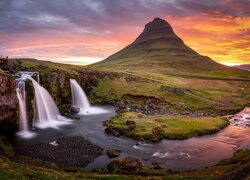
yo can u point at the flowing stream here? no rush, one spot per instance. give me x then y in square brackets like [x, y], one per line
[192, 153]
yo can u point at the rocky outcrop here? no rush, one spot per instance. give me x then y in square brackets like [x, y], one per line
[175, 90]
[128, 165]
[8, 103]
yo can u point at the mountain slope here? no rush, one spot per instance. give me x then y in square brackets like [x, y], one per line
[159, 49]
[243, 67]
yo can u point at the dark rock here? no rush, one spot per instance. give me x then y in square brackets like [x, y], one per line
[75, 109]
[112, 131]
[8, 104]
[175, 90]
[128, 165]
[70, 151]
[112, 153]
[156, 165]
[131, 124]
[157, 133]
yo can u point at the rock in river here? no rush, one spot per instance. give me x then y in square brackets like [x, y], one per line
[112, 153]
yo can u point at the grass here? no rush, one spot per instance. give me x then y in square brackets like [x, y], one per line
[155, 128]
[29, 168]
[5, 148]
[211, 94]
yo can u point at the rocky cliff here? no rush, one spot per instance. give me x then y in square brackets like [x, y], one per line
[8, 103]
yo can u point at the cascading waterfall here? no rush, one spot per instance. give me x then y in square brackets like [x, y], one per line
[80, 100]
[46, 113]
[21, 95]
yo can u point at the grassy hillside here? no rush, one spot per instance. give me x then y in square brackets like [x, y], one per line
[144, 90]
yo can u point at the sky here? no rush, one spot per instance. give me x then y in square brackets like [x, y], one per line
[87, 31]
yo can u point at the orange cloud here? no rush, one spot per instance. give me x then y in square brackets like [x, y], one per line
[224, 39]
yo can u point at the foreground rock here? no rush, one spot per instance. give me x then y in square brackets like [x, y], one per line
[112, 153]
[128, 165]
[66, 151]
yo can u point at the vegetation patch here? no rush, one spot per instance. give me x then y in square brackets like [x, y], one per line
[6, 148]
[155, 128]
[232, 168]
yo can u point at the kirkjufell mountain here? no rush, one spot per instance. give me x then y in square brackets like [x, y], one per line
[159, 49]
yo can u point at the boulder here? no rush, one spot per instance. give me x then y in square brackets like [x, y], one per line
[75, 109]
[128, 165]
[112, 153]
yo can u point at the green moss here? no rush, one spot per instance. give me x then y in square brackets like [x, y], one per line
[6, 148]
[170, 127]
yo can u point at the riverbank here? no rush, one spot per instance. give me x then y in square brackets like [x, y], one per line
[27, 168]
[156, 127]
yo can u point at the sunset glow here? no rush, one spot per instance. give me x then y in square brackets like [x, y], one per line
[83, 32]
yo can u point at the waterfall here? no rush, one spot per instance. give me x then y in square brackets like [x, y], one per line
[46, 113]
[21, 95]
[80, 100]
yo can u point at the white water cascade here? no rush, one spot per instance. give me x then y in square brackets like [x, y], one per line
[46, 113]
[80, 100]
[21, 95]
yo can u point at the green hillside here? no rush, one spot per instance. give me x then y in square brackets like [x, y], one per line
[159, 50]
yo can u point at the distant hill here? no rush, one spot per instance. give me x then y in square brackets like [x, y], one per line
[159, 49]
[243, 67]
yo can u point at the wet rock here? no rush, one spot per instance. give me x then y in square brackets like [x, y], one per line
[8, 104]
[75, 109]
[69, 152]
[128, 165]
[112, 131]
[112, 153]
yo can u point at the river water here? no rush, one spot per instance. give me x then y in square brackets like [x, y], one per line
[192, 153]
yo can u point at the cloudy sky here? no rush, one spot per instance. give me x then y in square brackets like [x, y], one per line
[85, 31]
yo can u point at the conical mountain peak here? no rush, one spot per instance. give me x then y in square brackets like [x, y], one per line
[159, 24]
[159, 49]
[158, 28]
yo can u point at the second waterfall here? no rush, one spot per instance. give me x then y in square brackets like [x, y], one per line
[81, 102]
